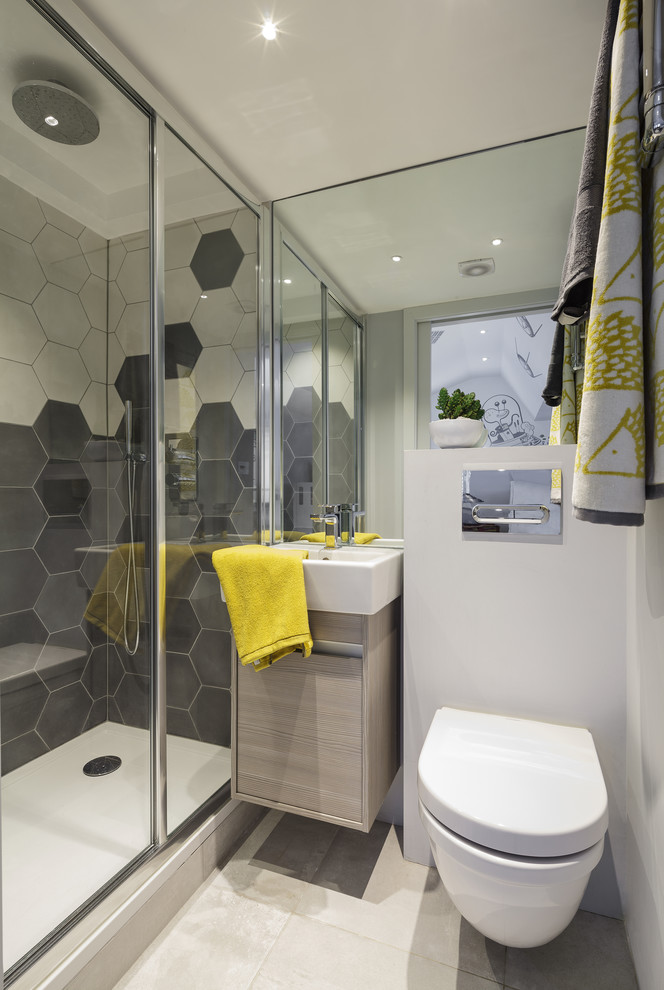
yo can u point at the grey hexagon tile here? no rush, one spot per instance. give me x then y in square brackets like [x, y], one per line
[183, 526]
[133, 380]
[338, 347]
[301, 439]
[61, 258]
[338, 384]
[65, 714]
[338, 456]
[182, 626]
[59, 542]
[218, 430]
[61, 220]
[245, 229]
[102, 514]
[218, 488]
[217, 316]
[61, 315]
[182, 683]
[93, 298]
[244, 400]
[116, 306]
[348, 364]
[62, 429]
[22, 707]
[61, 373]
[287, 388]
[115, 410]
[133, 278]
[181, 294]
[17, 752]
[62, 601]
[302, 368]
[20, 213]
[179, 723]
[211, 657]
[245, 515]
[215, 221]
[22, 336]
[181, 240]
[95, 251]
[182, 402]
[216, 260]
[211, 712]
[95, 675]
[217, 374]
[206, 601]
[22, 517]
[133, 329]
[133, 700]
[300, 405]
[93, 407]
[138, 241]
[21, 276]
[93, 352]
[63, 488]
[23, 456]
[245, 283]
[182, 571]
[338, 419]
[22, 576]
[116, 255]
[21, 396]
[245, 342]
[181, 350]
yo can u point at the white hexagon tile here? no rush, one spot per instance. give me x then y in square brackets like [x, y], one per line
[21, 396]
[22, 335]
[61, 315]
[217, 374]
[217, 316]
[61, 373]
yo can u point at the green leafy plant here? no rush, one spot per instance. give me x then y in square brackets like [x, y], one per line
[458, 404]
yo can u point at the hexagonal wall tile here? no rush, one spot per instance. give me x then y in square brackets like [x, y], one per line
[218, 430]
[61, 220]
[217, 374]
[116, 306]
[116, 410]
[23, 457]
[244, 400]
[245, 342]
[93, 407]
[59, 540]
[62, 373]
[21, 396]
[134, 276]
[95, 251]
[182, 682]
[62, 429]
[94, 299]
[21, 708]
[19, 595]
[302, 368]
[245, 228]
[215, 221]
[20, 273]
[181, 294]
[22, 336]
[62, 316]
[218, 488]
[338, 384]
[93, 352]
[338, 347]
[182, 349]
[133, 329]
[217, 316]
[61, 258]
[181, 403]
[20, 213]
[63, 488]
[64, 715]
[245, 283]
[216, 260]
[181, 240]
[22, 517]
[211, 657]
[133, 380]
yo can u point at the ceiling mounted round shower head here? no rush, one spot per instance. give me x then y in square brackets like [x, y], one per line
[53, 111]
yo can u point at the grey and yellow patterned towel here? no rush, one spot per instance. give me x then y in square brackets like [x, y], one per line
[610, 471]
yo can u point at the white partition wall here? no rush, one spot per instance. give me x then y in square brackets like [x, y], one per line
[529, 629]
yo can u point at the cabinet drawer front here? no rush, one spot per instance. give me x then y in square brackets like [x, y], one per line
[299, 734]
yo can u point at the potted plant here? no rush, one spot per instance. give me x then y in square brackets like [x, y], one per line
[459, 422]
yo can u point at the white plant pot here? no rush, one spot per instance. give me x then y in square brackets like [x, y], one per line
[460, 432]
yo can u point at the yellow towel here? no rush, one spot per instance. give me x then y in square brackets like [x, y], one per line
[359, 537]
[264, 592]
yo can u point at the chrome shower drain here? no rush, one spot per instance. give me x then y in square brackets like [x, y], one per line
[101, 765]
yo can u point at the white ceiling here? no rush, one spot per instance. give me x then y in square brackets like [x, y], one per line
[348, 90]
[357, 87]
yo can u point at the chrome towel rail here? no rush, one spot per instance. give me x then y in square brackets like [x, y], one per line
[652, 27]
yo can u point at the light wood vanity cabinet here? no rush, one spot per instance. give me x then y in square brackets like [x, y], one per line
[320, 737]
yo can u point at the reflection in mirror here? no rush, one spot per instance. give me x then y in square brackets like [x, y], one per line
[509, 502]
[503, 360]
[434, 217]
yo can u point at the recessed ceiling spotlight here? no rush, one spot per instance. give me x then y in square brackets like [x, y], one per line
[269, 30]
[288, 281]
[485, 359]
[51, 121]
[497, 241]
[482, 331]
[396, 257]
[203, 295]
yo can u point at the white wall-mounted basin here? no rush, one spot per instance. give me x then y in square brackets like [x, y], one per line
[358, 580]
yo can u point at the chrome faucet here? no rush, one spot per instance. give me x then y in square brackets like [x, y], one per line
[348, 515]
[329, 515]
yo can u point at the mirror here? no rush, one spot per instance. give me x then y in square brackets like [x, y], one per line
[433, 217]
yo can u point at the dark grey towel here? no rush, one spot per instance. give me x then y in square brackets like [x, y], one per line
[576, 284]
[579, 265]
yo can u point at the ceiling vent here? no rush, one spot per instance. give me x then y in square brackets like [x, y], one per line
[477, 267]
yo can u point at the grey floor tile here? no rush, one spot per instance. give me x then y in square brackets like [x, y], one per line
[349, 862]
[296, 846]
[309, 955]
[591, 954]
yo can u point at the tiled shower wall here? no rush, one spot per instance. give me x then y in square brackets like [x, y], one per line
[73, 317]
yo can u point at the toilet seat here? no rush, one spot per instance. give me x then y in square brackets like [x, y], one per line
[520, 787]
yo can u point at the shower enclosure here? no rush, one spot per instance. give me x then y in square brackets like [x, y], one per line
[128, 453]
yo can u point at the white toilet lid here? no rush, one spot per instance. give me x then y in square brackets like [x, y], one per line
[522, 787]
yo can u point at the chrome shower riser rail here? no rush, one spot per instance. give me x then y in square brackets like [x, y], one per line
[652, 25]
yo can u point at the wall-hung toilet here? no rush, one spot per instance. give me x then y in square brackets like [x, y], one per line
[516, 812]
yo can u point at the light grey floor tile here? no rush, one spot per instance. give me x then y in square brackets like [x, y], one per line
[219, 940]
[406, 906]
[350, 861]
[591, 954]
[296, 846]
[313, 956]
